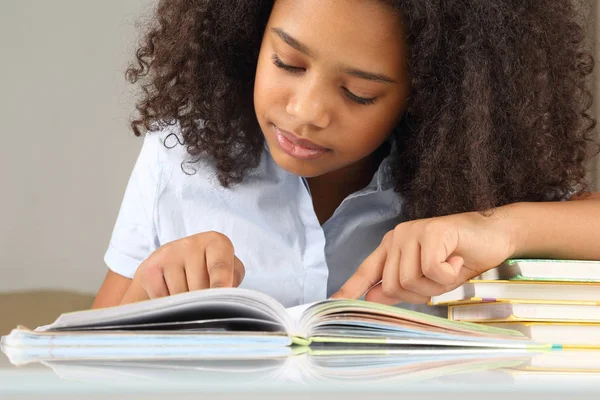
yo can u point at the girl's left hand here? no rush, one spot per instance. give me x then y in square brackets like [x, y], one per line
[428, 257]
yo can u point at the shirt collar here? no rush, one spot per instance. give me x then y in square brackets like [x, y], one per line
[382, 179]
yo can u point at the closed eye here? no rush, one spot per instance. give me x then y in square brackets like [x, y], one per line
[360, 100]
[289, 68]
[295, 70]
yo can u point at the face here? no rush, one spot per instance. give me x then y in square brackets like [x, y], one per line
[331, 82]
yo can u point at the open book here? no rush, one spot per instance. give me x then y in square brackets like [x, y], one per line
[234, 323]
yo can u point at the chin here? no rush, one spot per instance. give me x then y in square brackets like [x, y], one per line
[297, 167]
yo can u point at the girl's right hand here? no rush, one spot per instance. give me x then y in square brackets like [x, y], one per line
[201, 261]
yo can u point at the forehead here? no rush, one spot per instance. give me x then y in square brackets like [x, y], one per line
[343, 29]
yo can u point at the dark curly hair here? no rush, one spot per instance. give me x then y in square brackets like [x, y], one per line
[498, 111]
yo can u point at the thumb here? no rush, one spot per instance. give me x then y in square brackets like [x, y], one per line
[239, 272]
[368, 274]
[463, 272]
[456, 262]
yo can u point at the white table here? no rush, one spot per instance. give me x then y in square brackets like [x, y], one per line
[265, 380]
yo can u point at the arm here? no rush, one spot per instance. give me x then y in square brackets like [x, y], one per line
[562, 230]
[428, 257]
[112, 291]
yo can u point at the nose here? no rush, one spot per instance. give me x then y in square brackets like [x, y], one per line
[309, 105]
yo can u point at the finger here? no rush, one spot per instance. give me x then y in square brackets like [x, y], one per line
[376, 295]
[239, 272]
[219, 263]
[135, 292]
[389, 279]
[456, 262]
[465, 273]
[195, 270]
[368, 274]
[411, 276]
[434, 259]
[175, 279]
[152, 278]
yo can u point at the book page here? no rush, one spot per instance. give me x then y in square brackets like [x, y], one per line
[22, 347]
[360, 322]
[296, 314]
[227, 304]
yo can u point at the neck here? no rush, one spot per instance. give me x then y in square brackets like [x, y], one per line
[329, 190]
[348, 179]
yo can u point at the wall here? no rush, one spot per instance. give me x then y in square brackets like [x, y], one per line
[66, 150]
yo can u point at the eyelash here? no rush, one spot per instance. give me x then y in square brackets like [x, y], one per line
[294, 70]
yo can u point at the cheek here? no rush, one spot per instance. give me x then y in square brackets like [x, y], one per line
[269, 88]
[373, 126]
[260, 81]
[368, 131]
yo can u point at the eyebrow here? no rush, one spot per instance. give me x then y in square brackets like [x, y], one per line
[350, 71]
[369, 75]
[291, 41]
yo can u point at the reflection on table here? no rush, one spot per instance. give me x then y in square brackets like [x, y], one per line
[335, 367]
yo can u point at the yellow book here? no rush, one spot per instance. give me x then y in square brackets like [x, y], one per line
[483, 290]
[550, 270]
[526, 310]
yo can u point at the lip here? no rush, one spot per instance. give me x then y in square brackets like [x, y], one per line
[298, 141]
[300, 149]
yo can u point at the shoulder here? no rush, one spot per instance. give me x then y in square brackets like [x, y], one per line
[166, 150]
[177, 168]
[165, 145]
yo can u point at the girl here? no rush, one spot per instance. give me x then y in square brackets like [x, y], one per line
[316, 148]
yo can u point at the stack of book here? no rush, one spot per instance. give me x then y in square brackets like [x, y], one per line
[551, 301]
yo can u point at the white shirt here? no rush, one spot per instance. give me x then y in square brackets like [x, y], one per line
[269, 218]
